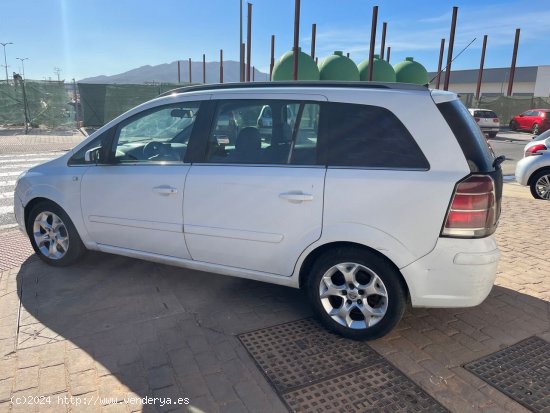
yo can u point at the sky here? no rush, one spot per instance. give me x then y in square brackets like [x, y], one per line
[87, 38]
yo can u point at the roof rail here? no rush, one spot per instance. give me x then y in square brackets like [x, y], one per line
[300, 83]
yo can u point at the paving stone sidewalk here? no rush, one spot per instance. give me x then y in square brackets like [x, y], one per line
[112, 327]
[13, 144]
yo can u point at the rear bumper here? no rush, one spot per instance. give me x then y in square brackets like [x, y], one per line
[457, 273]
[490, 128]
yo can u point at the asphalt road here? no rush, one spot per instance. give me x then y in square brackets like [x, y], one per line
[513, 150]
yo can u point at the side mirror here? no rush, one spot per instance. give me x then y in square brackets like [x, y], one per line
[93, 155]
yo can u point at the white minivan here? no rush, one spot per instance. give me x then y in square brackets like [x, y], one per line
[361, 202]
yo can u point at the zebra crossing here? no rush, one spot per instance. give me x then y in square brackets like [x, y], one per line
[11, 166]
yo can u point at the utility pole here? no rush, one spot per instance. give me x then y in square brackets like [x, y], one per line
[296, 38]
[203, 68]
[75, 97]
[5, 60]
[248, 41]
[513, 66]
[241, 51]
[313, 35]
[383, 44]
[440, 63]
[450, 50]
[388, 51]
[481, 63]
[23, 64]
[372, 41]
[57, 71]
[221, 65]
[179, 72]
[272, 62]
[190, 77]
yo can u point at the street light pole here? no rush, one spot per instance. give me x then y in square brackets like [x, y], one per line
[23, 64]
[5, 60]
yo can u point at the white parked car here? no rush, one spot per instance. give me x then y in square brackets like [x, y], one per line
[487, 121]
[534, 169]
[364, 205]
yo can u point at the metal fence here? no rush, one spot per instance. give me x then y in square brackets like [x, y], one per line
[53, 104]
[38, 102]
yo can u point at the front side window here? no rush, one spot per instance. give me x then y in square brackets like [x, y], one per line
[264, 132]
[367, 136]
[157, 135]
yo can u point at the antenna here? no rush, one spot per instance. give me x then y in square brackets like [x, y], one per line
[445, 68]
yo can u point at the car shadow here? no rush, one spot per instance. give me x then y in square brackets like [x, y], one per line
[150, 330]
[160, 331]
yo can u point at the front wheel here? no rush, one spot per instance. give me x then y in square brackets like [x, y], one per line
[540, 185]
[356, 293]
[513, 125]
[53, 236]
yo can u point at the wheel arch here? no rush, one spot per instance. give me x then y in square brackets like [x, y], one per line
[310, 259]
[31, 204]
[535, 172]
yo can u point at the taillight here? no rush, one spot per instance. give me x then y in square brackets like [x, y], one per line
[477, 119]
[495, 120]
[535, 149]
[472, 213]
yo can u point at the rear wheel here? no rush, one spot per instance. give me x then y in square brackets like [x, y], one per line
[540, 185]
[535, 129]
[513, 125]
[356, 293]
[53, 235]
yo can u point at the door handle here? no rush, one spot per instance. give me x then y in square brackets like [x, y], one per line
[165, 190]
[296, 197]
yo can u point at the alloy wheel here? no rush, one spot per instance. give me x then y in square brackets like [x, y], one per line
[542, 186]
[50, 235]
[353, 295]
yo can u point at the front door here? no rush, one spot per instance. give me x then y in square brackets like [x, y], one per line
[134, 200]
[257, 204]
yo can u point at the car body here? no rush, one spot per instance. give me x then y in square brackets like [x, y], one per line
[534, 169]
[487, 121]
[534, 120]
[359, 202]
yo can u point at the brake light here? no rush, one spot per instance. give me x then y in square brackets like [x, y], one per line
[477, 119]
[495, 120]
[472, 213]
[535, 149]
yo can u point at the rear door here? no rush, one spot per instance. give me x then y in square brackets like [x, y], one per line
[257, 204]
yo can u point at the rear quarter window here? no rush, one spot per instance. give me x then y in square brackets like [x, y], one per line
[366, 136]
[476, 149]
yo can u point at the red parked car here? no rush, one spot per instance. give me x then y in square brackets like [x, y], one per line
[534, 120]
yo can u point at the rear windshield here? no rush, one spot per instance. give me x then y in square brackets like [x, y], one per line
[485, 114]
[478, 153]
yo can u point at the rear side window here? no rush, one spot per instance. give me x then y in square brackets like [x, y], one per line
[477, 151]
[366, 136]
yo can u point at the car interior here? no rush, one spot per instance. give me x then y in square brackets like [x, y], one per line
[261, 144]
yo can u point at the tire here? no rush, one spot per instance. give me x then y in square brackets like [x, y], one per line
[492, 135]
[372, 276]
[48, 221]
[513, 125]
[535, 129]
[540, 185]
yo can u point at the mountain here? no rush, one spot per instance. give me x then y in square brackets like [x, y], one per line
[168, 73]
